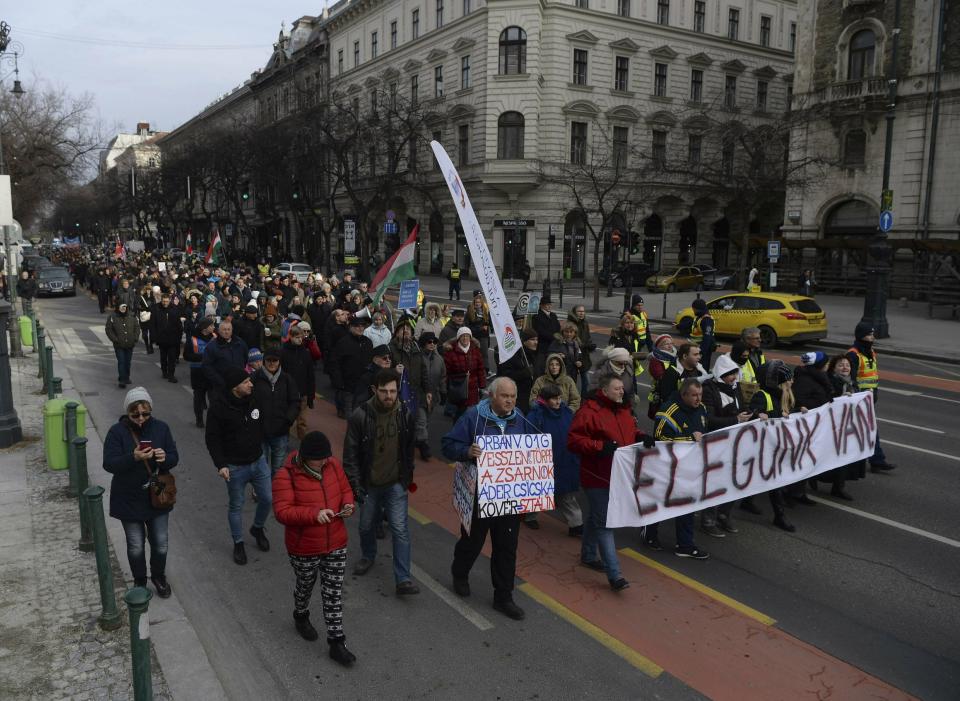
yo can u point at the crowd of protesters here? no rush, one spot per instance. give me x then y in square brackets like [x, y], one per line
[257, 347]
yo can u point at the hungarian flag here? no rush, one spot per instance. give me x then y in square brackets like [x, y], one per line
[398, 267]
[189, 244]
[215, 251]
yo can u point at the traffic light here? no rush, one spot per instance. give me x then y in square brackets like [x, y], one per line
[245, 191]
[296, 191]
[552, 241]
[634, 243]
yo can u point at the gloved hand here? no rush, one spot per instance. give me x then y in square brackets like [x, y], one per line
[609, 448]
[648, 441]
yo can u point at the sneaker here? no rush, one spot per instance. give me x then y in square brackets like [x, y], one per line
[653, 543]
[461, 587]
[713, 530]
[363, 566]
[407, 588]
[575, 531]
[425, 452]
[340, 654]
[593, 565]
[239, 554]
[727, 525]
[882, 467]
[691, 551]
[509, 609]
[162, 586]
[841, 494]
[304, 626]
[619, 584]
[261, 538]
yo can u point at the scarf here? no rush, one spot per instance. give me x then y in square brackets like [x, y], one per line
[464, 350]
[272, 377]
[665, 356]
[487, 413]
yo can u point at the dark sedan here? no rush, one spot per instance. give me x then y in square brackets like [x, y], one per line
[55, 281]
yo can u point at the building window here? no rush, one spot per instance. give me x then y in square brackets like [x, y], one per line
[623, 8]
[578, 143]
[356, 54]
[339, 61]
[855, 148]
[438, 81]
[733, 23]
[373, 102]
[762, 89]
[621, 147]
[580, 66]
[393, 95]
[696, 85]
[660, 79]
[439, 13]
[727, 153]
[663, 12]
[464, 72]
[862, 46]
[793, 37]
[372, 158]
[730, 92]
[438, 137]
[621, 77]
[699, 16]
[513, 51]
[374, 44]
[393, 34]
[694, 148]
[414, 89]
[583, 4]
[463, 144]
[510, 136]
[765, 30]
[412, 154]
[659, 148]
[467, 7]
[415, 24]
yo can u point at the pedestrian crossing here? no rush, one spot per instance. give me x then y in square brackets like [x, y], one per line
[79, 342]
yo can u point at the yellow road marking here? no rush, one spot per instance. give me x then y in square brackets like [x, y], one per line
[417, 516]
[615, 646]
[697, 586]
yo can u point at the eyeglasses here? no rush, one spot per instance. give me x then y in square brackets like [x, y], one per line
[141, 415]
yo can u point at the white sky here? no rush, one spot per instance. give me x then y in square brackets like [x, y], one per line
[140, 83]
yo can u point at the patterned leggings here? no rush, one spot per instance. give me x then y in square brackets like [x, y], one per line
[331, 568]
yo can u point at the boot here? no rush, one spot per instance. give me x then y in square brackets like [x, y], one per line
[781, 522]
[339, 653]
[162, 586]
[260, 537]
[304, 626]
[140, 581]
[425, 452]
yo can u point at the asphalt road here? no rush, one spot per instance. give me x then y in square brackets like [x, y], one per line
[883, 596]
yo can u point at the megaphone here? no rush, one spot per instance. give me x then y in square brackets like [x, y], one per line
[362, 314]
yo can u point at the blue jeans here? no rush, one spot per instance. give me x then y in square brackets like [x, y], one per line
[137, 532]
[583, 379]
[124, 358]
[596, 535]
[240, 475]
[392, 501]
[684, 528]
[275, 451]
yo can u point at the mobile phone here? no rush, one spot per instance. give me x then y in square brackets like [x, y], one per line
[145, 445]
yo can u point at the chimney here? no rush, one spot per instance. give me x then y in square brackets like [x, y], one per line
[143, 128]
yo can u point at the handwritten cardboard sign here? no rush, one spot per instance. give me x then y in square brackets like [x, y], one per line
[514, 474]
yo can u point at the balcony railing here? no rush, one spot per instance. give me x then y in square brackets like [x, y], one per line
[857, 88]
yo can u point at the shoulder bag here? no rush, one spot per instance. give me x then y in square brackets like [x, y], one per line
[458, 389]
[162, 485]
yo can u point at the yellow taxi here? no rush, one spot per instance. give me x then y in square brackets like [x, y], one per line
[780, 317]
[685, 278]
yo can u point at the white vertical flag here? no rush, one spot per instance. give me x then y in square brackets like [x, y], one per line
[504, 327]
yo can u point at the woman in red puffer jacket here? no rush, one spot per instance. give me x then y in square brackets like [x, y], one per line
[311, 497]
[464, 361]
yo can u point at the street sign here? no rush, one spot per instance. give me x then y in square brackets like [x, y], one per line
[391, 227]
[773, 250]
[886, 201]
[228, 230]
[408, 294]
[886, 221]
[349, 236]
[774, 259]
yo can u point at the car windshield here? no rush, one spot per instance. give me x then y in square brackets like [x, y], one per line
[301, 268]
[54, 274]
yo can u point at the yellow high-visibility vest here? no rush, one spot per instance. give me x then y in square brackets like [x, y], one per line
[696, 331]
[868, 374]
[641, 324]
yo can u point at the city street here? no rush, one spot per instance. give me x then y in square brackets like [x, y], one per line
[863, 601]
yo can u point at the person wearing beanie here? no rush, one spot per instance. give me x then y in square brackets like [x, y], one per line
[247, 326]
[193, 354]
[346, 363]
[311, 497]
[641, 322]
[297, 362]
[276, 395]
[234, 439]
[866, 374]
[378, 458]
[381, 359]
[466, 376]
[617, 362]
[701, 331]
[226, 351]
[166, 331]
[663, 357]
[123, 330]
[254, 361]
[448, 333]
[142, 308]
[408, 359]
[136, 447]
[578, 317]
[434, 368]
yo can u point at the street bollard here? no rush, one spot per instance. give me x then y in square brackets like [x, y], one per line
[83, 481]
[41, 342]
[664, 315]
[57, 386]
[138, 600]
[110, 616]
[48, 372]
[560, 286]
[70, 430]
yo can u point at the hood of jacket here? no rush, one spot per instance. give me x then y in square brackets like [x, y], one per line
[561, 359]
[723, 365]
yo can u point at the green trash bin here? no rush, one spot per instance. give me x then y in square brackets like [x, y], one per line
[26, 331]
[55, 430]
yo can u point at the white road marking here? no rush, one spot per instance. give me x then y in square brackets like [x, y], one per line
[888, 522]
[933, 367]
[919, 428]
[449, 598]
[912, 393]
[73, 340]
[101, 335]
[187, 390]
[60, 343]
[922, 450]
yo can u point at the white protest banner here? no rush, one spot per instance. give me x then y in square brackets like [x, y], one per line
[464, 490]
[673, 479]
[514, 474]
[504, 327]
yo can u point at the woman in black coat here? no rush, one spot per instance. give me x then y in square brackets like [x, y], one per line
[131, 461]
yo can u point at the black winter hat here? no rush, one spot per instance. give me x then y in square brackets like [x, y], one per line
[863, 329]
[315, 446]
[699, 305]
[234, 376]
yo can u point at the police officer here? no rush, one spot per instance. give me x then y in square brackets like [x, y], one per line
[701, 331]
[641, 322]
[454, 277]
[864, 370]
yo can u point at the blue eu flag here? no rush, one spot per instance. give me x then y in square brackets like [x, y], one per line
[407, 396]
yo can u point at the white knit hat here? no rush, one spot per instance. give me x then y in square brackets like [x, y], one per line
[137, 394]
[463, 331]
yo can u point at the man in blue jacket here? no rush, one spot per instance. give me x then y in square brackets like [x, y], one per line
[225, 352]
[496, 415]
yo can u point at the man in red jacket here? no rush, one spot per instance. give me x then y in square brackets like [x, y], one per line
[603, 424]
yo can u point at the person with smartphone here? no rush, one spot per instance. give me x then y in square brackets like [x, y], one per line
[136, 448]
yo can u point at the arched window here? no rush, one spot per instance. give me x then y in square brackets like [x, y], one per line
[510, 135]
[513, 51]
[855, 148]
[860, 62]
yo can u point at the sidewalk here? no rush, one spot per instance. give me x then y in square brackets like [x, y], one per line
[912, 333]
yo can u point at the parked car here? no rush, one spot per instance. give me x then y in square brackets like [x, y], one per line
[723, 279]
[780, 317]
[299, 270]
[33, 263]
[638, 271]
[685, 278]
[55, 280]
